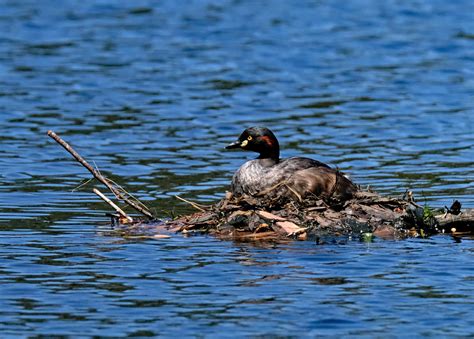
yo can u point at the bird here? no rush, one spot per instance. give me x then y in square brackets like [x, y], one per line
[296, 178]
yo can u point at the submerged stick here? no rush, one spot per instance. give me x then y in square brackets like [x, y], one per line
[99, 176]
[113, 205]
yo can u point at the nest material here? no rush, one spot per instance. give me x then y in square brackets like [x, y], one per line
[277, 218]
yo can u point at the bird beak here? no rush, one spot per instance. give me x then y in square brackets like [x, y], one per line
[235, 144]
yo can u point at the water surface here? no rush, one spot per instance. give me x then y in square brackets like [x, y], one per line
[152, 91]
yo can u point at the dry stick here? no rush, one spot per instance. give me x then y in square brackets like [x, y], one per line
[99, 176]
[196, 206]
[113, 205]
[120, 188]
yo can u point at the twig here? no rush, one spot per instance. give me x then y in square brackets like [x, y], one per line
[99, 176]
[295, 193]
[123, 190]
[82, 184]
[113, 205]
[196, 206]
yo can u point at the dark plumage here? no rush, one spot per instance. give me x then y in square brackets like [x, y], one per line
[296, 177]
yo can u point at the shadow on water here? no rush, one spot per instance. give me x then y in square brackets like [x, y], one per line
[151, 93]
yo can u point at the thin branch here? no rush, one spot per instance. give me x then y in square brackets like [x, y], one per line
[124, 191]
[107, 182]
[82, 184]
[113, 205]
[196, 206]
[295, 193]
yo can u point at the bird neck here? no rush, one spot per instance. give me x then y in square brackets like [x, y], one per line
[273, 154]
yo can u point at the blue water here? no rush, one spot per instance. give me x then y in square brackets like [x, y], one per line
[151, 92]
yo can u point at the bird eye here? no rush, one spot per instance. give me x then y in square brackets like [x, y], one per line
[249, 138]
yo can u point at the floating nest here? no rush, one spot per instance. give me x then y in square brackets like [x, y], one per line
[366, 215]
[273, 217]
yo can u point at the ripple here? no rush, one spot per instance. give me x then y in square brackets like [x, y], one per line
[151, 94]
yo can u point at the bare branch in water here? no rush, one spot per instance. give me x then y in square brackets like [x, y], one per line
[113, 205]
[119, 192]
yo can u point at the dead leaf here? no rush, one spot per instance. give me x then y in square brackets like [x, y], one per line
[269, 216]
[287, 227]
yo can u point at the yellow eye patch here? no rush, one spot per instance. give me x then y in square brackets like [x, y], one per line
[249, 138]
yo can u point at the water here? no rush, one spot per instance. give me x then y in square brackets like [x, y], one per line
[152, 91]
